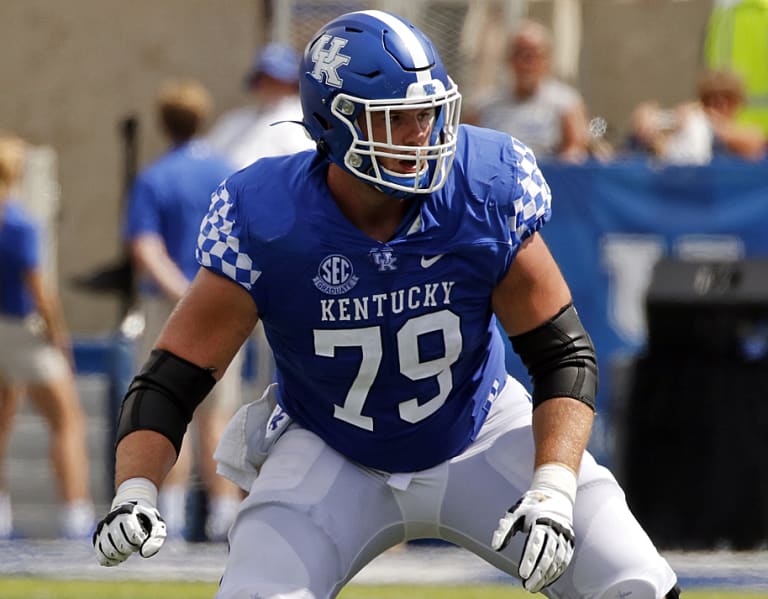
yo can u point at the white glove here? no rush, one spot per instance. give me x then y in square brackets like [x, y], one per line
[133, 524]
[545, 513]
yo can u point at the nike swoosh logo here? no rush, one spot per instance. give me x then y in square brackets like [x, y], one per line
[427, 262]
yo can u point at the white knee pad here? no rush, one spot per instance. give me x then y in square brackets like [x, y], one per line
[632, 588]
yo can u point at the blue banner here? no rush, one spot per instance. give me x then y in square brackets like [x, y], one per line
[612, 222]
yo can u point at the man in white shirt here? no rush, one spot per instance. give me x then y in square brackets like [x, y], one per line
[247, 133]
[546, 114]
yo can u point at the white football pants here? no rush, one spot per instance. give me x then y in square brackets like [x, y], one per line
[313, 519]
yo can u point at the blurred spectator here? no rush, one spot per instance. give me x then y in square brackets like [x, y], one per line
[36, 355]
[267, 126]
[737, 40]
[546, 114]
[166, 205]
[695, 132]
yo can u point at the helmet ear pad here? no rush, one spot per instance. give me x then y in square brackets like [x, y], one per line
[312, 94]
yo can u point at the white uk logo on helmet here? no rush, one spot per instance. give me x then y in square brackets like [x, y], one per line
[327, 60]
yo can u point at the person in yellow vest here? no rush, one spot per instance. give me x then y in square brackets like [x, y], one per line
[737, 40]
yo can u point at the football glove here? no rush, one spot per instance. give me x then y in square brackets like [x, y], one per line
[132, 525]
[545, 514]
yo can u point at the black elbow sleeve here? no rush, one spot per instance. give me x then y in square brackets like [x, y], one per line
[163, 397]
[560, 359]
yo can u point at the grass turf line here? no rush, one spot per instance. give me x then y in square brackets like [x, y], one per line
[31, 588]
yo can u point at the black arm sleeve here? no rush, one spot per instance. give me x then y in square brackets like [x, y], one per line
[163, 397]
[560, 358]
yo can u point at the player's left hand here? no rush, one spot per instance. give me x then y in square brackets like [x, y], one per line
[545, 514]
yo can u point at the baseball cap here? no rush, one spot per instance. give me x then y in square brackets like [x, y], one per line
[278, 60]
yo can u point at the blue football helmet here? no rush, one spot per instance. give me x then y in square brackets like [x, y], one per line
[370, 62]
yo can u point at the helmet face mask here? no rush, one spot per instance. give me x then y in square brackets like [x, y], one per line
[365, 156]
[370, 66]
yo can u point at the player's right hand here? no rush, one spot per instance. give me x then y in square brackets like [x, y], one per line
[133, 524]
[131, 527]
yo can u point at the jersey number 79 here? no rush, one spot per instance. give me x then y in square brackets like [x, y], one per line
[368, 339]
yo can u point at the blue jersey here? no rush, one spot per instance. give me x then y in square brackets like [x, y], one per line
[171, 196]
[19, 254]
[388, 351]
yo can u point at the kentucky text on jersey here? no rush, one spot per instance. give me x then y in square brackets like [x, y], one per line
[355, 309]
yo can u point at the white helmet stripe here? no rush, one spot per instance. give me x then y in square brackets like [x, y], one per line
[412, 42]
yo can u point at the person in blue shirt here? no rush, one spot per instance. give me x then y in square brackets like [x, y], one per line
[37, 363]
[380, 264]
[167, 201]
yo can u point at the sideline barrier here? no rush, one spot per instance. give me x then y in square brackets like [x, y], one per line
[111, 356]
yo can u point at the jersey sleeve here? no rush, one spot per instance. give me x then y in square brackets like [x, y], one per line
[142, 215]
[531, 204]
[221, 244]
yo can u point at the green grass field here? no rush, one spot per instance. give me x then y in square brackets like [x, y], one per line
[25, 588]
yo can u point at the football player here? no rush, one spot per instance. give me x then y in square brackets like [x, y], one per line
[379, 265]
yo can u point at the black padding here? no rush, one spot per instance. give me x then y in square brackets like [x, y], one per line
[163, 397]
[674, 593]
[560, 358]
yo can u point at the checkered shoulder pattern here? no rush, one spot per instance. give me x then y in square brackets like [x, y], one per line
[533, 199]
[218, 248]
